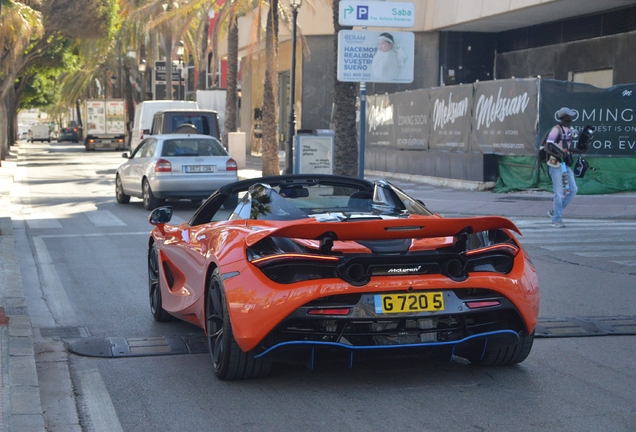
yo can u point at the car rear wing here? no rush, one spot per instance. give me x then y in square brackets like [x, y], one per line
[384, 229]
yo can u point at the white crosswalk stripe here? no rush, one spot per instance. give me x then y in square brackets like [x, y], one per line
[609, 240]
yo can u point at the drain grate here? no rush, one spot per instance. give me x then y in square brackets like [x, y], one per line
[16, 310]
[57, 333]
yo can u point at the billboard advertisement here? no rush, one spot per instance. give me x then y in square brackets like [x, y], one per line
[373, 56]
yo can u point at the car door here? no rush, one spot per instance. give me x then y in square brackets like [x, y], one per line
[133, 171]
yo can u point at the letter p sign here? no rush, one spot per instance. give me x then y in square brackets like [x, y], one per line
[362, 12]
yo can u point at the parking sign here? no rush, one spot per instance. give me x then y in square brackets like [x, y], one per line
[376, 13]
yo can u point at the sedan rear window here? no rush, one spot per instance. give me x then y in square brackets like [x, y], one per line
[193, 147]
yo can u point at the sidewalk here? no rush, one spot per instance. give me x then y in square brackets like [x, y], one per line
[21, 409]
[465, 199]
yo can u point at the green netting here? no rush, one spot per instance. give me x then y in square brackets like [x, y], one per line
[612, 175]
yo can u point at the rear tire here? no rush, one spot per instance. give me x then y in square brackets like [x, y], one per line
[122, 198]
[228, 360]
[509, 355]
[154, 288]
[151, 202]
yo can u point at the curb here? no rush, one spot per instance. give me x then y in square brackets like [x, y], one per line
[21, 405]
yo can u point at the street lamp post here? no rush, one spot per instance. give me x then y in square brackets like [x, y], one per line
[180, 52]
[142, 70]
[289, 144]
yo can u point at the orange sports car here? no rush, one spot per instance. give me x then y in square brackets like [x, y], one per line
[306, 268]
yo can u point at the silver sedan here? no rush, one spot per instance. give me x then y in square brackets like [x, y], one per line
[174, 166]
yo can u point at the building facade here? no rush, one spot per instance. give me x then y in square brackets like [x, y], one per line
[456, 42]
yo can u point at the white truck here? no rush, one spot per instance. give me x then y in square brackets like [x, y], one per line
[39, 132]
[105, 124]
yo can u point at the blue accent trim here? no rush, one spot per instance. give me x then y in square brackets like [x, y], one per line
[313, 354]
[375, 347]
[377, 299]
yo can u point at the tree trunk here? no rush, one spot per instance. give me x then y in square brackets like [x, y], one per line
[130, 106]
[232, 72]
[204, 60]
[344, 99]
[4, 136]
[270, 109]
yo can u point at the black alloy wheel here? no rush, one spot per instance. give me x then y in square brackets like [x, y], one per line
[154, 289]
[228, 360]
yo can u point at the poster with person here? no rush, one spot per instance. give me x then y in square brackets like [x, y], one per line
[371, 56]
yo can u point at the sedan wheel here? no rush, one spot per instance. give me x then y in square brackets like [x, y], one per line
[151, 202]
[228, 360]
[122, 198]
[154, 288]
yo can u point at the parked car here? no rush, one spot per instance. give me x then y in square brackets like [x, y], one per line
[204, 122]
[312, 267]
[68, 134]
[174, 166]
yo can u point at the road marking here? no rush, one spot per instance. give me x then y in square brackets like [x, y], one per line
[52, 288]
[146, 233]
[104, 218]
[43, 220]
[97, 399]
[594, 247]
[605, 254]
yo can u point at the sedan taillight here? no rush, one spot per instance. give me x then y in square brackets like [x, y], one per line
[163, 166]
[231, 165]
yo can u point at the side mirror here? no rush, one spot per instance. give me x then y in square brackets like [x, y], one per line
[160, 215]
[124, 155]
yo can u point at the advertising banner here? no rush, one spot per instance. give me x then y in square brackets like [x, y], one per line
[314, 154]
[410, 112]
[95, 117]
[610, 111]
[379, 122]
[372, 56]
[504, 119]
[160, 85]
[449, 122]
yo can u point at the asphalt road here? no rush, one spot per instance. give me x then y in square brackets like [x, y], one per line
[83, 261]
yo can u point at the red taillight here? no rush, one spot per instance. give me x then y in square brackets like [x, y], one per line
[231, 165]
[163, 166]
[504, 247]
[482, 304]
[339, 311]
[259, 262]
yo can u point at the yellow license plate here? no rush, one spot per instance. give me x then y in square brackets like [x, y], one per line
[409, 302]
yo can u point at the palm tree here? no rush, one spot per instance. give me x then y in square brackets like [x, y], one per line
[271, 165]
[19, 25]
[344, 100]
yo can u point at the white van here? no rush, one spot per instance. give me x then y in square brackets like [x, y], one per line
[144, 113]
[40, 132]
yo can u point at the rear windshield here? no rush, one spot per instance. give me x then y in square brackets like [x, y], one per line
[193, 147]
[199, 121]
